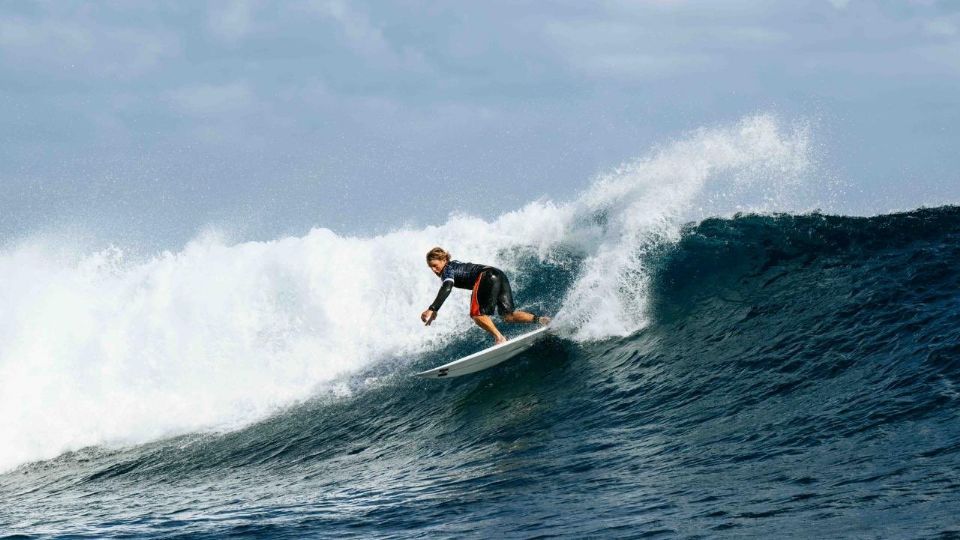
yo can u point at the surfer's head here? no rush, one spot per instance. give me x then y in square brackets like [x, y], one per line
[437, 258]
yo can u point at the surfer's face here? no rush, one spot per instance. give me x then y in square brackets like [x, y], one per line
[436, 265]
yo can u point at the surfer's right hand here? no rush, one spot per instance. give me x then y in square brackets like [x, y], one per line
[428, 316]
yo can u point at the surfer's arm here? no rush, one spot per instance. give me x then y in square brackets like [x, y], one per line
[441, 295]
[431, 313]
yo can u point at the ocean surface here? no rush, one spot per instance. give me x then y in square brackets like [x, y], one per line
[721, 366]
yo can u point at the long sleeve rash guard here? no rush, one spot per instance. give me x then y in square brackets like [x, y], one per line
[461, 275]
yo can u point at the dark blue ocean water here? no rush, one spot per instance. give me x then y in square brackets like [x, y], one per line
[800, 378]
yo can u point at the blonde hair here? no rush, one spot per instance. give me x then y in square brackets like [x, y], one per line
[438, 254]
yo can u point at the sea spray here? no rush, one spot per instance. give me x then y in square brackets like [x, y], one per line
[643, 204]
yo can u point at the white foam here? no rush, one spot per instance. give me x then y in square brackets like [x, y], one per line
[98, 350]
[750, 166]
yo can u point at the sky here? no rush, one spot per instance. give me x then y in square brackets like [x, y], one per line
[147, 123]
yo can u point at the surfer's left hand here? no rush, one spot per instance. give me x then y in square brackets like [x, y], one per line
[428, 316]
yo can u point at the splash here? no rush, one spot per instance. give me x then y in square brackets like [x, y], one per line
[751, 166]
[96, 349]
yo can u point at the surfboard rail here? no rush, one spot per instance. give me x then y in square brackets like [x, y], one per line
[486, 358]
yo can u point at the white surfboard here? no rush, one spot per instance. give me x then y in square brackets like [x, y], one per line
[486, 358]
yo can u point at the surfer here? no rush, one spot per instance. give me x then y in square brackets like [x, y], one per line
[491, 291]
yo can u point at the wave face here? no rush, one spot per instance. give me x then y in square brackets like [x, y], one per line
[756, 374]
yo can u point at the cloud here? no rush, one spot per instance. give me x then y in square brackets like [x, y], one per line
[213, 99]
[361, 34]
[646, 65]
[632, 47]
[231, 21]
[940, 27]
[944, 57]
[84, 46]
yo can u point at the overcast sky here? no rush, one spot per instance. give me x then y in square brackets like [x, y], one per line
[146, 122]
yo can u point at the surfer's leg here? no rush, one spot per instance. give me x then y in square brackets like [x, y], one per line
[526, 318]
[483, 303]
[504, 295]
[486, 292]
[485, 322]
[505, 305]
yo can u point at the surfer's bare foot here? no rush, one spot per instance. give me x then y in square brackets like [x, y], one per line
[543, 321]
[499, 339]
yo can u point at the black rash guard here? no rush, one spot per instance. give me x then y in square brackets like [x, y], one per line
[462, 275]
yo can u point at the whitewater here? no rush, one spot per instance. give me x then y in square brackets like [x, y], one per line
[728, 360]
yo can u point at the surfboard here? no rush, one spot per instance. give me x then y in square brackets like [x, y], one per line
[486, 358]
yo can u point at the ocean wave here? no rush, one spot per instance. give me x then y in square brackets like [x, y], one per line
[104, 349]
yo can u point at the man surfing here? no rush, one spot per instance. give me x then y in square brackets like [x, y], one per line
[491, 291]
